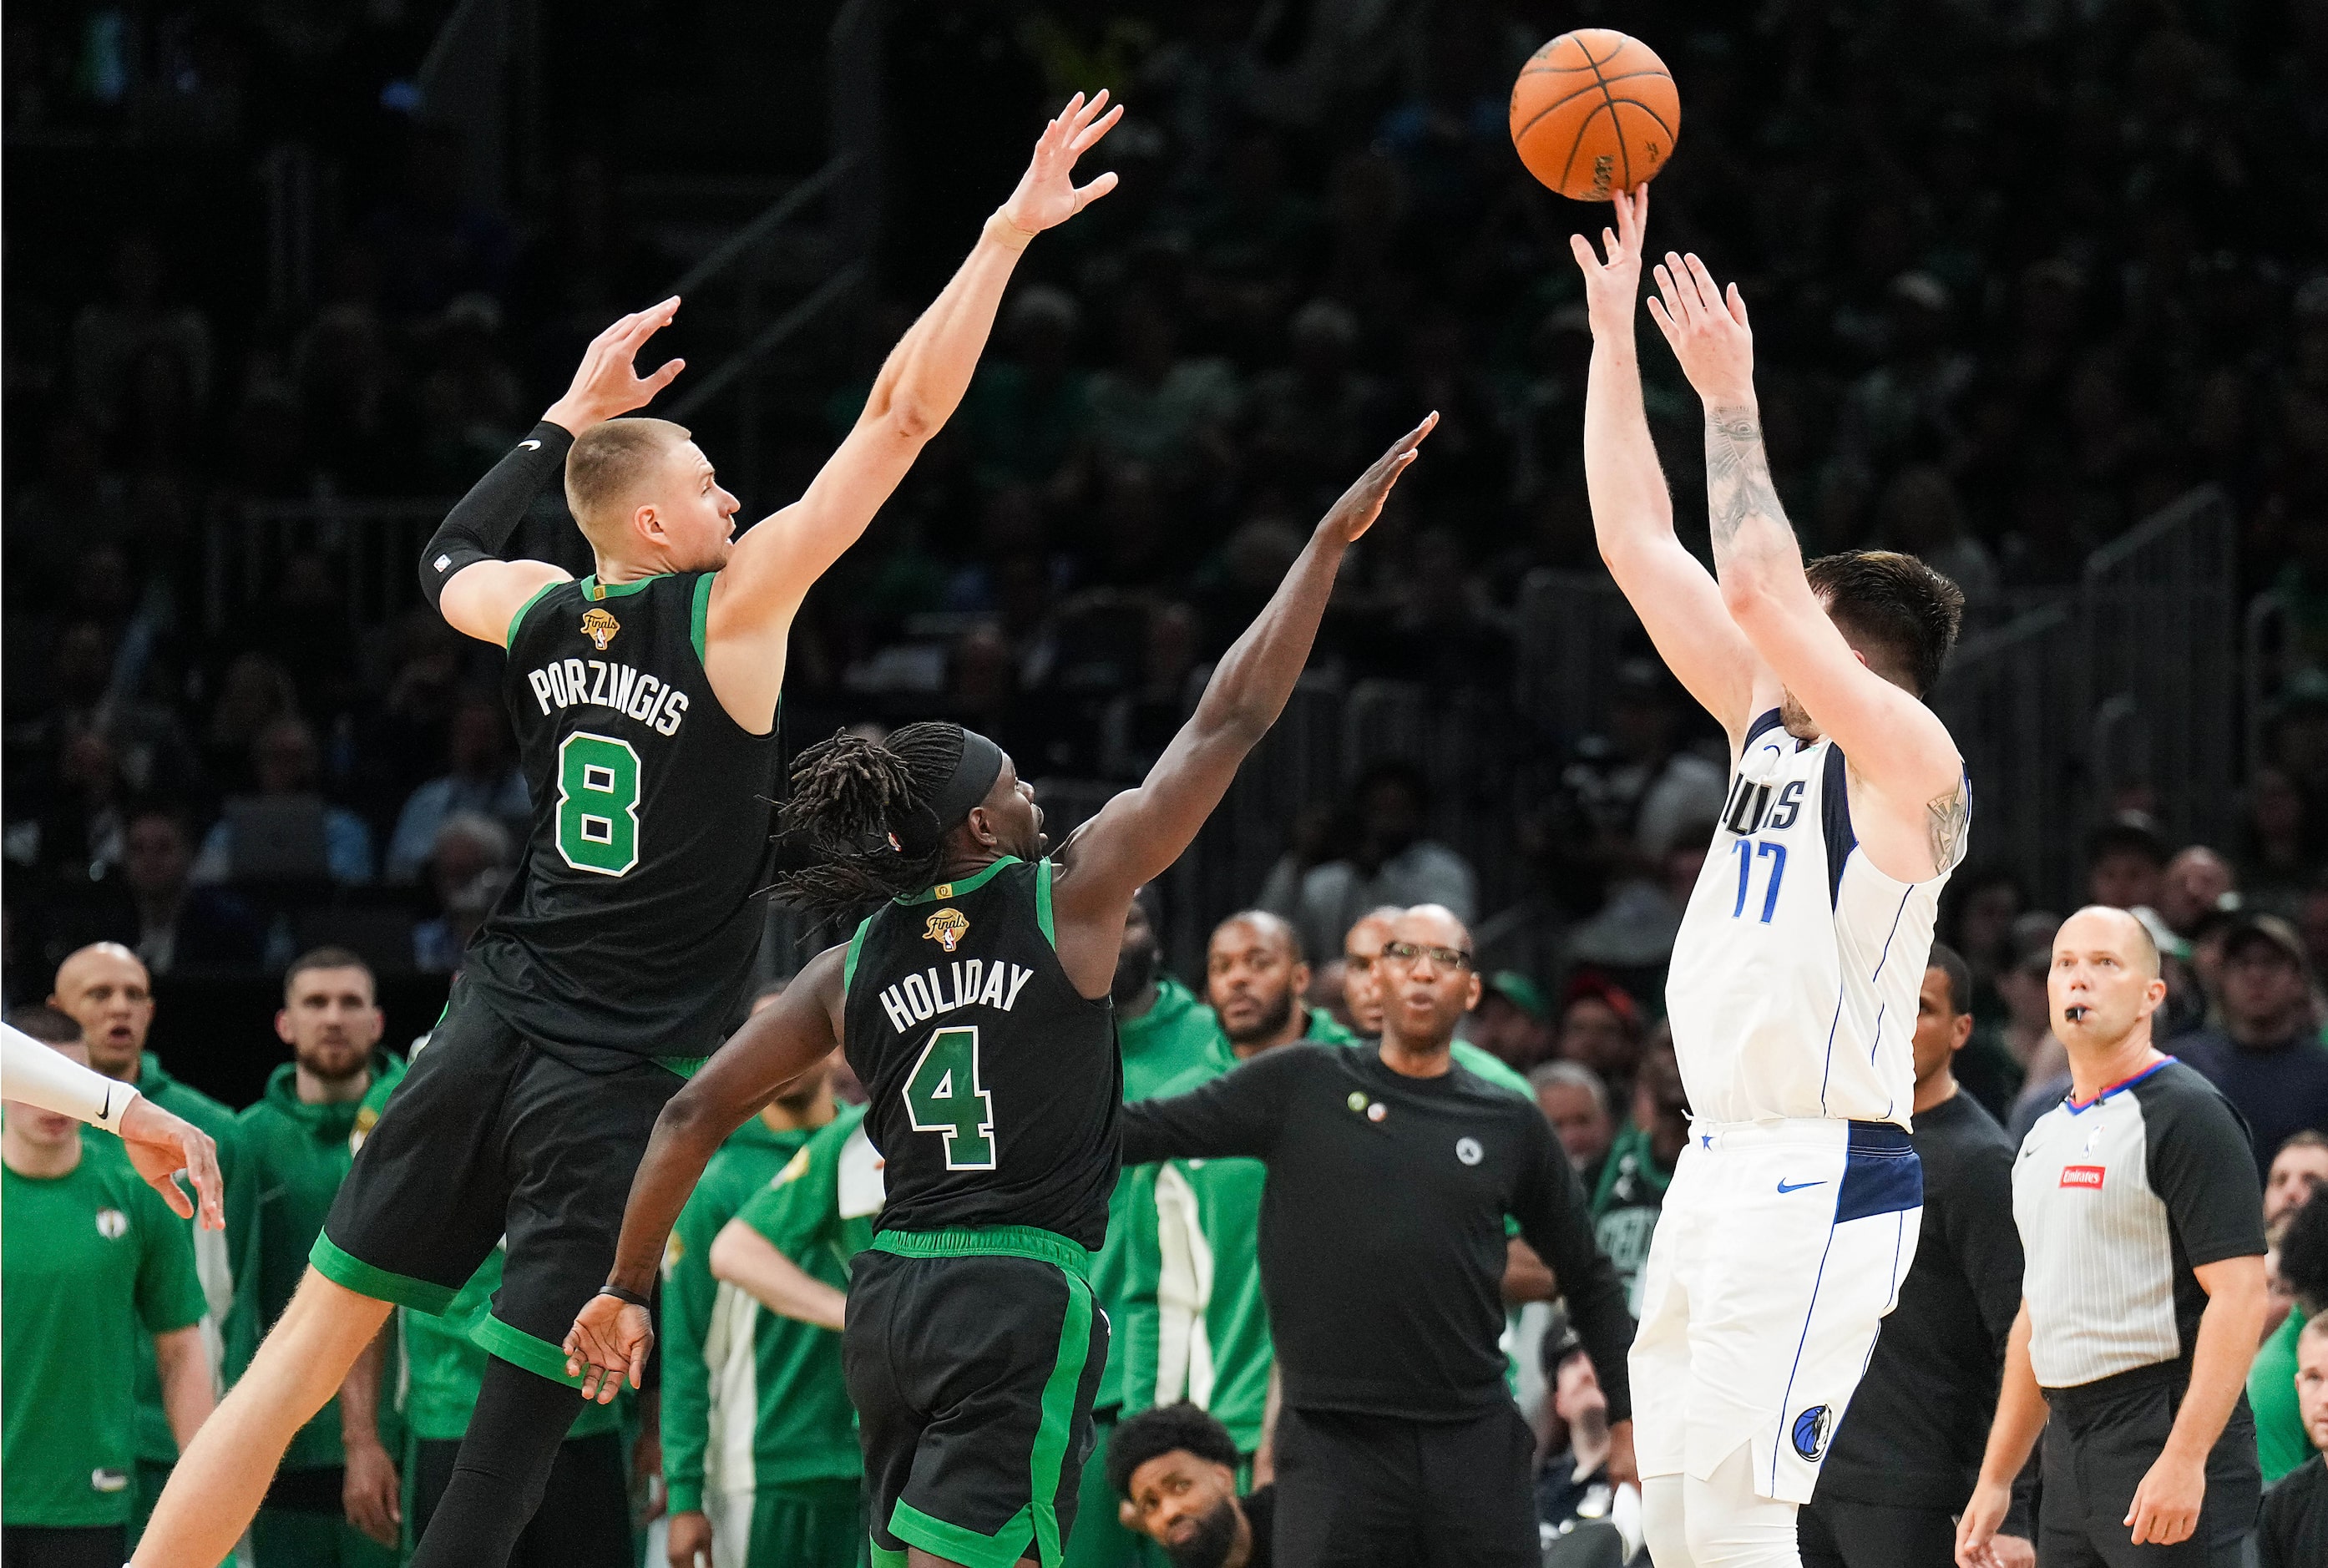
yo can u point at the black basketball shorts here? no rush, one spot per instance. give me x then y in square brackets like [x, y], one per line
[491, 1135]
[973, 1357]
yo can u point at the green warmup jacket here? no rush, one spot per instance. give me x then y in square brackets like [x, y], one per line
[1175, 1035]
[780, 1417]
[93, 1265]
[709, 1338]
[1195, 1327]
[299, 1154]
[221, 1258]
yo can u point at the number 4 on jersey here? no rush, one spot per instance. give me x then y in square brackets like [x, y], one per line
[944, 1096]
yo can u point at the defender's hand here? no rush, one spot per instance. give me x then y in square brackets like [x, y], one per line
[1047, 195]
[1707, 329]
[608, 384]
[160, 1145]
[1612, 285]
[1362, 503]
[2166, 1505]
[609, 1339]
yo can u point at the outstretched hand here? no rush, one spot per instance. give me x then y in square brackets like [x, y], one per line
[1613, 285]
[1708, 330]
[1362, 503]
[1047, 195]
[608, 383]
[610, 1338]
[160, 1145]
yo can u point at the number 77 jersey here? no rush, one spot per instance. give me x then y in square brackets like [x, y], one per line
[992, 1084]
[1794, 975]
[633, 920]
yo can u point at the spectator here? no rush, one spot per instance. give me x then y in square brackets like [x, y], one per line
[1155, 407]
[2293, 1530]
[171, 924]
[2125, 861]
[2267, 1059]
[285, 760]
[1512, 1021]
[1391, 863]
[1573, 1492]
[2281, 852]
[468, 866]
[1632, 1191]
[92, 1263]
[1314, 420]
[1174, 1471]
[1576, 1103]
[1027, 409]
[1601, 1028]
[484, 780]
[1920, 514]
[253, 694]
[2298, 1239]
[2197, 883]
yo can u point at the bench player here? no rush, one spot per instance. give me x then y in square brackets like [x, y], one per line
[1793, 1214]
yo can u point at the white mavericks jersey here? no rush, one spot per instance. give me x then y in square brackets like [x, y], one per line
[1795, 971]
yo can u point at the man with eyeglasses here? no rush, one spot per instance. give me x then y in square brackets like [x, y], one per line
[1381, 1258]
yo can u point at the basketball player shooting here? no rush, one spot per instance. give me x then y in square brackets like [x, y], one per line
[645, 699]
[1792, 993]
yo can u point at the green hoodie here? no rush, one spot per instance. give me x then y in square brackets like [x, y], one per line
[220, 1258]
[701, 1369]
[299, 1154]
[1175, 1035]
[1626, 1205]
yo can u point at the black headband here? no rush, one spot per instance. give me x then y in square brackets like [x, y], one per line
[973, 777]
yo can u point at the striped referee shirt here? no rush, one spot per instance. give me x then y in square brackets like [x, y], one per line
[2119, 1199]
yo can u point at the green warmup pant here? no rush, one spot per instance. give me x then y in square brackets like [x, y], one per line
[296, 1538]
[1100, 1539]
[799, 1526]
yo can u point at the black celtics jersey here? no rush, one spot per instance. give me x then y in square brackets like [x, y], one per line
[994, 1085]
[631, 922]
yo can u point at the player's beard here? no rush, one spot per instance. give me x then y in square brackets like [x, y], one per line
[1797, 718]
[1208, 1546]
[1278, 1015]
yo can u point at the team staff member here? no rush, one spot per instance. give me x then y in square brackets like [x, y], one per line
[788, 1249]
[2141, 1220]
[1363, 994]
[92, 1263]
[2295, 1532]
[723, 1360]
[1910, 1445]
[1173, 1469]
[1382, 1253]
[105, 988]
[295, 1139]
[1163, 1032]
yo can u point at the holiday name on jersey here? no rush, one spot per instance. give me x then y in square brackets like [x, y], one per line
[601, 683]
[919, 997]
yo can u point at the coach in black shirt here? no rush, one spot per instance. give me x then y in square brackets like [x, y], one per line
[1908, 1450]
[1382, 1259]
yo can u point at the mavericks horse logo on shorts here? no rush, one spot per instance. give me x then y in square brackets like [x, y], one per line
[1811, 1430]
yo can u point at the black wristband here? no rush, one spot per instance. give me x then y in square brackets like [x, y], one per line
[624, 1293]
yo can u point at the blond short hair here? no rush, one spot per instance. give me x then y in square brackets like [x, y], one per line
[607, 466]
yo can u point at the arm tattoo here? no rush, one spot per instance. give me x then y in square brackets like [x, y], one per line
[1945, 820]
[1737, 478]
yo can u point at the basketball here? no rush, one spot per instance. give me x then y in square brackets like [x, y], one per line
[1594, 111]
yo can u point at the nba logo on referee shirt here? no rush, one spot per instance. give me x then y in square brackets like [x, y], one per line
[1810, 1431]
[2085, 1176]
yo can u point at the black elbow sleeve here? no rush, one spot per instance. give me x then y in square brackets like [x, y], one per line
[481, 523]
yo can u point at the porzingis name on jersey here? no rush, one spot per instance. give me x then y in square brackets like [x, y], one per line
[602, 683]
[919, 997]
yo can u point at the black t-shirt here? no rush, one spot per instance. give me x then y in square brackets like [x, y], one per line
[633, 917]
[1381, 1225]
[2281, 1089]
[1259, 1507]
[1917, 1427]
[2293, 1532]
[992, 1084]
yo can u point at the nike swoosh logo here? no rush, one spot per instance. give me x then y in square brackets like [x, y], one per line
[1798, 1186]
[531, 446]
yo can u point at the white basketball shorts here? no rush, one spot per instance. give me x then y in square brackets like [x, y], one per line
[1780, 1248]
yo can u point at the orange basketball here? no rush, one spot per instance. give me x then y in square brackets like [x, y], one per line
[1594, 111]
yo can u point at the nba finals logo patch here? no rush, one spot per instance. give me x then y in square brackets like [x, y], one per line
[112, 1224]
[366, 1119]
[1810, 1431]
[947, 927]
[600, 626]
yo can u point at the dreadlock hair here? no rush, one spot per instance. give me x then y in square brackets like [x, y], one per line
[859, 827]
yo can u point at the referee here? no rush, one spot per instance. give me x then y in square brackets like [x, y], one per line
[2141, 1222]
[1390, 1171]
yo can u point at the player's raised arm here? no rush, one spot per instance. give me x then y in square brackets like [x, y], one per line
[918, 388]
[1141, 831]
[461, 569]
[1632, 512]
[1903, 766]
[611, 1336]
